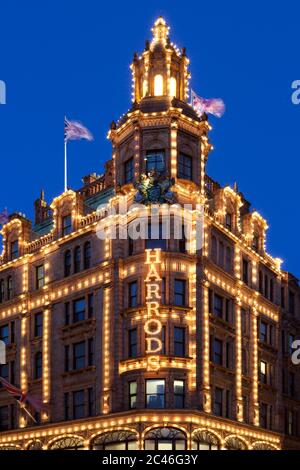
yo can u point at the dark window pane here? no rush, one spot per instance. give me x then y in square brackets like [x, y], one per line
[155, 160]
[79, 310]
[185, 167]
[179, 292]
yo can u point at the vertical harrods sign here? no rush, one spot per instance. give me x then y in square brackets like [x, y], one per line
[153, 326]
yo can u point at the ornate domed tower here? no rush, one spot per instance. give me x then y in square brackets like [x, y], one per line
[161, 131]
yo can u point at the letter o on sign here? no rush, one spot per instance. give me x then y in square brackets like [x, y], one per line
[152, 327]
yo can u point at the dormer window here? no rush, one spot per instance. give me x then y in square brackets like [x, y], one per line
[14, 249]
[158, 85]
[173, 86]
[66, 225]
[185, 170]
[228, 220]
[155, 160]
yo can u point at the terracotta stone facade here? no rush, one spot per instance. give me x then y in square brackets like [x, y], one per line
[73, 306]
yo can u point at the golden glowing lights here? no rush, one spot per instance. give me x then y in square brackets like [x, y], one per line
[153, 325]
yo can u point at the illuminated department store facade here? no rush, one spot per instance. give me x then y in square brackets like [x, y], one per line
[151, 344]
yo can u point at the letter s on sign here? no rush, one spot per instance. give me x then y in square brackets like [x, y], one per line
[296, 94]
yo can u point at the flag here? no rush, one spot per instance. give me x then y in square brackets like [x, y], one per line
[74, 130]
[22, 397]
[213, 106]
[3, 217]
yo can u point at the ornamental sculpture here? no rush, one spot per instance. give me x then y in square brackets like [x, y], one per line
[154, 188]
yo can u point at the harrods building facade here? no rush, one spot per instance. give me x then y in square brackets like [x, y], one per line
[156, 343]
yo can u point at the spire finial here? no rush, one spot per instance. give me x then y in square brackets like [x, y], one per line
[160, 31]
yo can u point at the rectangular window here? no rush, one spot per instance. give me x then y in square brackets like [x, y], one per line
[79, 355]
[228, 310]
[255, 243]
[4, 372]
[245, 271]
[2, 291]
[263, 332]
[66, 225]
[163, 340]
[90, 305]
[291, 384]
[132, 394]
[4, 422]
[291, 302]
[78, 310]
[244, 320]
[179, 292]
[228, 220]
[264, 415]
[179, 393]
[78, 404]
[90, 351]
[38, 325]
[185, 167]
[228, 259]
[291, 339]
[91, 402]
[132, 294]
[14, 249]
[155, 393]
[282, 297]
[228, 404]
[263, 372]
[67, 313]
[163, 291]
[67, 358]
[179, 341]
[9, 288]
[218, 402]
[155, 160]
[4, 334]
[12, 372]
[66, 406]
[157, 234]
[218, 352]
[218, 306]
[129, 171]
[12, 332]
[132, 342]
[228, 355]
[39, 276]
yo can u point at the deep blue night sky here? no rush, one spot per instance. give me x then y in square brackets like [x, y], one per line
[72, 57]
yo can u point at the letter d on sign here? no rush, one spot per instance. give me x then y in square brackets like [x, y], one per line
[296, 94]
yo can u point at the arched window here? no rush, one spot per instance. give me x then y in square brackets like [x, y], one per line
[205, 440]
[77, 259]
[68, 263]
[158, 85]
[165, 439]
[87, 255]
[67, 443]
[35, 445]
[173, 86]
[38, 365]
[117, 440]
[263, 446]
[234, 443]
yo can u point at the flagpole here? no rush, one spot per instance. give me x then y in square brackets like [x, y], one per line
[66, 167]
[23, 407]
